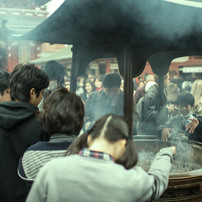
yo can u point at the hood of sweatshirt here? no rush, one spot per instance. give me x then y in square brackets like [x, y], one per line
[13, 113]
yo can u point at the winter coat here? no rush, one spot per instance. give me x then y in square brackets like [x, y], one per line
[88, 179]
[99, 104]
[151, 113]
[19, 129]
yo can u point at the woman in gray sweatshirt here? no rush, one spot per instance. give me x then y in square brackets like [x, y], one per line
[102, 168]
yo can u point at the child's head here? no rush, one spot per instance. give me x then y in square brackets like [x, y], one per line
[185, 102]
[28, 83]
[113, 129]
[63, 113]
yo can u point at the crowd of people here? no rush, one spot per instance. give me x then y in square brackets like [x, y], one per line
[176, 113]
[57, 145]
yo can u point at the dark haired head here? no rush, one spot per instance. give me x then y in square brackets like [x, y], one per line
[185, 99]
[91, 83]
[113, 128]
[111, 80]
[24, 78]
[55, 71]
[63, 113]
[4, 81]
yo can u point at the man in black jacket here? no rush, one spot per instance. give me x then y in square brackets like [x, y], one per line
[154, 110]
[107, 100]
[19, 127]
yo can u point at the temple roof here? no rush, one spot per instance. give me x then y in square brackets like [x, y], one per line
[155, 29]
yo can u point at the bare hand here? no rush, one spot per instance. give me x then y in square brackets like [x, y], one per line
[170, 108]
[190, 127]
[174, 149]
[166, 134]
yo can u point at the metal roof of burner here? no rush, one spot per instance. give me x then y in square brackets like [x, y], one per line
[157, 31]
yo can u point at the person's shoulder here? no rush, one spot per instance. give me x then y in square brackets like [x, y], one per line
[38, 146]
[95, 94]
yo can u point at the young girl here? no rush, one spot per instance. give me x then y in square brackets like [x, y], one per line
[103, 168]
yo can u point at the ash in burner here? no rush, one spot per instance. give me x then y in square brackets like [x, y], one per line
[178, 166]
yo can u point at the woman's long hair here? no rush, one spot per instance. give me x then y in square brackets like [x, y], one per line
[113, 128]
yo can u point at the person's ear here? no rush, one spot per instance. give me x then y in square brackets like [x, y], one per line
[32, 93]
[123, 143]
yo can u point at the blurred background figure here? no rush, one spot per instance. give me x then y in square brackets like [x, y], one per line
[89, 88]
[4, 86]
[56, 73]
[98, 82]
[186, 86]
[90, 75]
[195, 76]
[171, 92]
[196, 91]
[140, 92]
[80, 86]
[154, 109]
[107, 100]
[185, 123]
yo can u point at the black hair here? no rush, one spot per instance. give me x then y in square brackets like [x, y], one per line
[24, 78]
[63, 113]
[111, 80]
[55, 71]
[185, 99]
[91, 83]
[4, 81]
[113, 128]
[99, 77]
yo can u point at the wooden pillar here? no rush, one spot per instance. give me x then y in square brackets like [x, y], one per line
[108, 70]
[128, 88]
[73, 79]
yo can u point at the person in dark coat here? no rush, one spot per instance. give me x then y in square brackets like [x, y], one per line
[19, 127]
[62, 119]
[140, 92]
[153, 113]
[107, 100]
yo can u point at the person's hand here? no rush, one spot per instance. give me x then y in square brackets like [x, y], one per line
[166, 134]
[171, 108]
[190, 127]
[174, 149]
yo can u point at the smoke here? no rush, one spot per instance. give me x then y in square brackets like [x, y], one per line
[153, 19]
[165, 19]
[184, 160]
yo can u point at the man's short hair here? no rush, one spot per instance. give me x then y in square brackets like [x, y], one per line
[24, 78]
[185, 99]
[4, 81]
[55, 71]
[111, 80]
[63, 113]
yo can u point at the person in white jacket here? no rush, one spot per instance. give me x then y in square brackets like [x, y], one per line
[102, 167]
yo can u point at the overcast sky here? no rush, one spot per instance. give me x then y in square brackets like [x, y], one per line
[54, 5]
